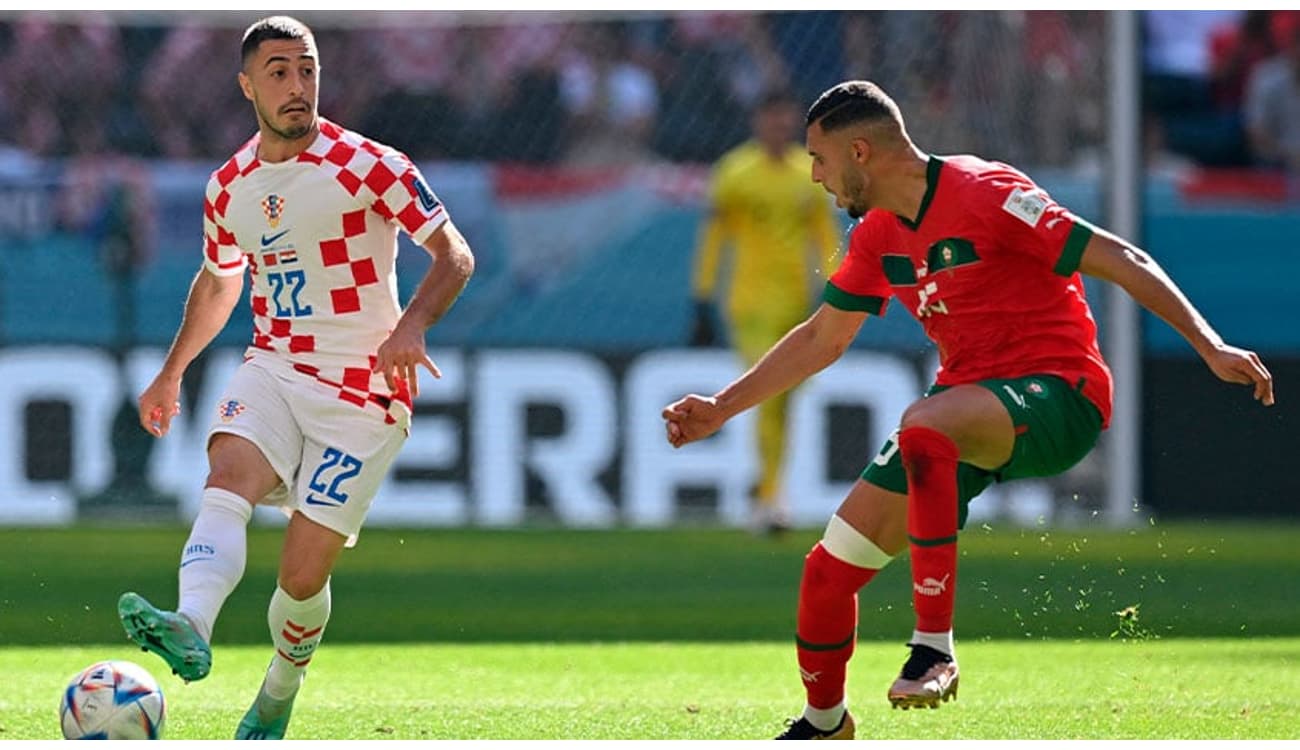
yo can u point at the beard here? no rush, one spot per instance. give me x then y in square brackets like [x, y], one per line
[289, 133]
[855, 195]
[293, 132]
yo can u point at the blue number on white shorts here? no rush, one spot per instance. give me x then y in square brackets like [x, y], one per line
[342, 467]
[295, 280]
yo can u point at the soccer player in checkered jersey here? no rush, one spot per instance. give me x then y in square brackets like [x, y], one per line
[314, 417]
[990, 265]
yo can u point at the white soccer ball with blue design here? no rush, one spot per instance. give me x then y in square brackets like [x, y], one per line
[112, 700]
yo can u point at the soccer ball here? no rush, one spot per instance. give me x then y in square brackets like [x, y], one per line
[112, 700]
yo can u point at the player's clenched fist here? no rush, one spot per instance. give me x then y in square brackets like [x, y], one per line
[692, 418]
[158, 404]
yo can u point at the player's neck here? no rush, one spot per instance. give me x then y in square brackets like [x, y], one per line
[906, 188]
[272, 148]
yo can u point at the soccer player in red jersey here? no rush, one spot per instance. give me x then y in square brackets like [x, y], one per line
[990, 265]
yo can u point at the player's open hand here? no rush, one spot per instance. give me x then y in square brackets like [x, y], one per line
[1242, 366]
[400, 357]
[159, 403]
[692, 418]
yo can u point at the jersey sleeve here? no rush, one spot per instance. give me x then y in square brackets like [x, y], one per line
[1026, 219]
[405, 198]
[221, 254]
[859, 284]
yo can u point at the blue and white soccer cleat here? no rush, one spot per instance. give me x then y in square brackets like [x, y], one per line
[166, 634]
[267, 718]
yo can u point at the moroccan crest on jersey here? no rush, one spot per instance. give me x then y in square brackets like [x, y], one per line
[950, 253]
[273, 207]
[228, 410]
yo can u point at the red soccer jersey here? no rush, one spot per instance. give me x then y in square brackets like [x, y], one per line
[989, 268]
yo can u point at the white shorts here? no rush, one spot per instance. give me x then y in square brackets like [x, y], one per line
[332, 453]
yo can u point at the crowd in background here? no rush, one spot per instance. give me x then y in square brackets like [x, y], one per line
[1220, 87]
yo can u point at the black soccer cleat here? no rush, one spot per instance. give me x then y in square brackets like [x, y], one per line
[802, 729]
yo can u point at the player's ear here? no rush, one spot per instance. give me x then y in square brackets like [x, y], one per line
[861, 150]
[246, 85]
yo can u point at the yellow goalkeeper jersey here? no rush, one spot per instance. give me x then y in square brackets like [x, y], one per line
[778, 224]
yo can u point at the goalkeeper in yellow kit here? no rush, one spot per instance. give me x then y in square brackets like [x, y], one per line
[782, 236]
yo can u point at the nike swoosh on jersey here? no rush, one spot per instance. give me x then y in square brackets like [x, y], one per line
[266, 241]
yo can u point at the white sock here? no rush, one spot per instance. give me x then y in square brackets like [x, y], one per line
[212, 561]
[824, 719]
[296, 630]
[937, 641]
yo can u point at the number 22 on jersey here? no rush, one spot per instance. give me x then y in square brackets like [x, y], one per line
[286, 288]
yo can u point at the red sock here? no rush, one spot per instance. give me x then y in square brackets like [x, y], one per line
[828, 622]
[930, 458]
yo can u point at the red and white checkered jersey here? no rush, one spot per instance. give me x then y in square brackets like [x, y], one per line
[318, 235]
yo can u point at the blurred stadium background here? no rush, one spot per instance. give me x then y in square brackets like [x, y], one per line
[573, 151]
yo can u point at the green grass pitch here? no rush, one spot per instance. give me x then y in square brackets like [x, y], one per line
[686, 634]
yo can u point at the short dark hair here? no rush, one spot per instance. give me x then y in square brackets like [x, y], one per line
[853, 102]
[273, 27]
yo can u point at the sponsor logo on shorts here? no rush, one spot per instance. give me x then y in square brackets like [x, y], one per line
[229, 410]
[1016, 397]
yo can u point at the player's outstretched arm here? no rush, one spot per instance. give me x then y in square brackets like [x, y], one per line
[207, 308]
[403, 351]
[1111, 258]
[807, 349]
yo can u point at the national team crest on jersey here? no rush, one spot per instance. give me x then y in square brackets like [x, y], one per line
[273, 207]
[229, 410]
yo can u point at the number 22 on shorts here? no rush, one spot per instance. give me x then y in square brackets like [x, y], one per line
[336, 467]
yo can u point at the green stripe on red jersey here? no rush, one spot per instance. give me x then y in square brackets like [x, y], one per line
[842, 300]
[1075, 244]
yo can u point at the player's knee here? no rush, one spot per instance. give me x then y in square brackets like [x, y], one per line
[236, 465]
[920, 414]
[302, 584]
[817, 580]
[825, 575]
[848, 545]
